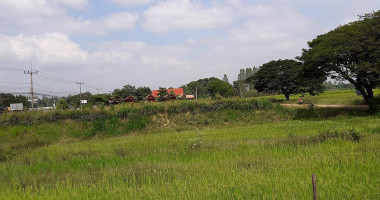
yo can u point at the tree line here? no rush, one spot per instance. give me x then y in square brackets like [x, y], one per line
[348, 53]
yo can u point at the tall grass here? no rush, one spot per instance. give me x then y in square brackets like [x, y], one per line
[264, 161]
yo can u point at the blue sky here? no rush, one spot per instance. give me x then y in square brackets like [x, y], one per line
[155, 43]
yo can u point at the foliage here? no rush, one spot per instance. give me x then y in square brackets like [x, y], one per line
[225, 78]
[142, 92]
[131, 111]
[350, 52]
[246, 73]
[128, 90]
[201, 86]
[337, 86]
[220, 87]
[62, 104]
[7, 99]
[99, 99]
[74, 100]
[46, 101]
[283, 75]
[162, 92]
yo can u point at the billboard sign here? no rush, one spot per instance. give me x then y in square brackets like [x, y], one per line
[17, 107]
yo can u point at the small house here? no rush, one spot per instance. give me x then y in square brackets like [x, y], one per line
[130, 99]
[170, 97]
[150, 98]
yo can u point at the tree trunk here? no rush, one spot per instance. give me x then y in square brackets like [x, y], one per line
[287, 95]
[371, 99]
[368, 96]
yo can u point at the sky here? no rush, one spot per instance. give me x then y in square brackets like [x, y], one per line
[156, 43]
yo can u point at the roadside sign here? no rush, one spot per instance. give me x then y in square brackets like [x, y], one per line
[17, 106]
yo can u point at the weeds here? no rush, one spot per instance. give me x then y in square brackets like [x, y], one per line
[348, 135]
[196, 143]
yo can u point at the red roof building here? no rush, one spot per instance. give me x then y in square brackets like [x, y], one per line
[177, 92]
[150, 98]
[130, 99]
[170, 97]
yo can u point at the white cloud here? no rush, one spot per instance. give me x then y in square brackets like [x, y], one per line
[120, 21]
[40, 16]
[258, 10]
[74, 3]
[132, 2]
[28, 8]
[46, 49]
[271, 27]
[184, 15]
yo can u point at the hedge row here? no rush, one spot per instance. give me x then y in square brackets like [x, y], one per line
[128, 111]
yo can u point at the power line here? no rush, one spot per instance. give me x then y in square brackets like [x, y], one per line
[55, 89]
[45, 76]
[9, 69]
[9, 82]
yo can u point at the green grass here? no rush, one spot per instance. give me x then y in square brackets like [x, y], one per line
[333, 97]
[269, 160]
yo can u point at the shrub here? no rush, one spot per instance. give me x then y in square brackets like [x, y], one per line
[136, 123]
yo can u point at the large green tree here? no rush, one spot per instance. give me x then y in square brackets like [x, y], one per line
[286, 76]
[142, 92]
[220, 87]
[200, 87]
[350, 52]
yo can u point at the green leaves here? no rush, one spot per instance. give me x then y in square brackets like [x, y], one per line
[350, 52]
[287, 76]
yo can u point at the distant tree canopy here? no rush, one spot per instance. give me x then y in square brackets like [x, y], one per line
[62, 104]
[140, 93]
[350, 52]
[7, 99]
[241, 86]
[208, 88]
[285, 76]
[162, 92]
[220, 87]
[246, 73]
[73, 101]
[225, 78]
[337, 86]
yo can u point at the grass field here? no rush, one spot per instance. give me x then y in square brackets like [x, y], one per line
[229, 149]
[272, 160]
[332, 97]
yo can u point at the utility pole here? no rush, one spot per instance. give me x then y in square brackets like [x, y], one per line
[31, 72]
[196, 93]
[53, 99]
[80, 92]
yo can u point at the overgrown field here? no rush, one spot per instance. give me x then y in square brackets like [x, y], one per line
[230, 149]
[266, 161]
